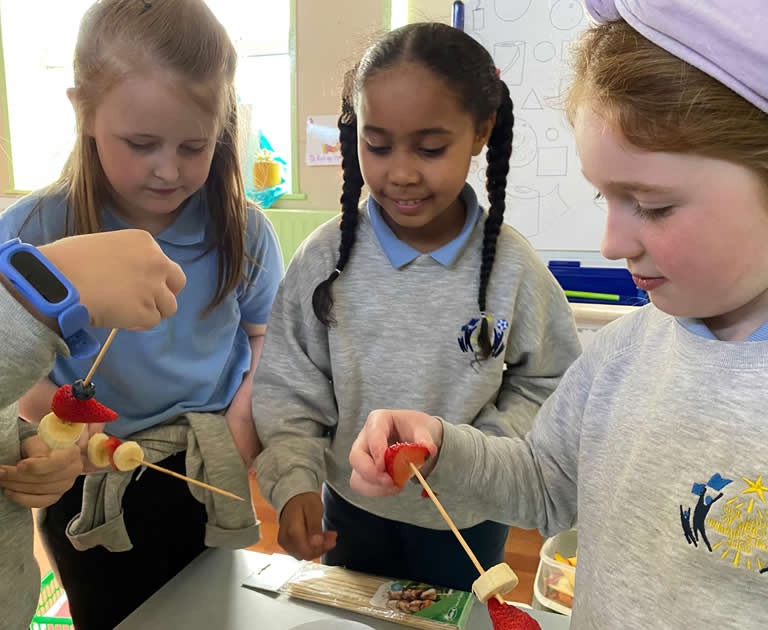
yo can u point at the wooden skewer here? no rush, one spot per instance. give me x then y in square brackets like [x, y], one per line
[453, 527]
[143, 462]
[190, 480]
[100, 356]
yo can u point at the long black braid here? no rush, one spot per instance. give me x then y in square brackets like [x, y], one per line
[322, 298]
[499, 152]
[469, 70]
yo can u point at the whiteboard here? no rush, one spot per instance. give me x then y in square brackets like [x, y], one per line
[548, 200]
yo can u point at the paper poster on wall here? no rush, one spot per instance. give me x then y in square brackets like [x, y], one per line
[323, 146]
[547, 199]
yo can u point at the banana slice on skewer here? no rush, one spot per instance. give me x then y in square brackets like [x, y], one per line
[105, 451]
[127, 456]
[497, 580]
[58, 433]
[97, 454]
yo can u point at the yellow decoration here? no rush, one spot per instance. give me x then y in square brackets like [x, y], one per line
[266, 172]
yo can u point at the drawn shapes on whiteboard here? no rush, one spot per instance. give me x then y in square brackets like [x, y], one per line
[478, 16]
[523, 209]
[525, 145]
[532, 101]
[566, 14]
[551, 209]
[480, 39]
[510, 59]
[511, 10]
[553, 162]
[552, 134]
[532, 213]
[544, 52]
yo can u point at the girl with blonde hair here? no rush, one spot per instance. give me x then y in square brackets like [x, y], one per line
[157, 149]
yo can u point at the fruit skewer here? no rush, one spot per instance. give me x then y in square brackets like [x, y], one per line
[104, 450]
[74, 406]
[402, 461]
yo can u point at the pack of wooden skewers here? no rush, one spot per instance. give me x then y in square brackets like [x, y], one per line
[405, 602]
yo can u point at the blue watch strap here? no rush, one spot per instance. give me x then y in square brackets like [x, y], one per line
[21, 263]
[82, 344]
[73, 323]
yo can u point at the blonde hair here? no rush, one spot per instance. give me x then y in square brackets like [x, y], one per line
[661, 103]
[120, 37]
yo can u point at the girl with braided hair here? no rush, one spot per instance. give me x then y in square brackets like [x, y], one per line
[654, 442]
[423, 301]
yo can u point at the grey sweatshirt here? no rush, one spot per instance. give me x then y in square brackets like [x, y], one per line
[656, 441]
[28, 349]
[396, 345]
[211, 457]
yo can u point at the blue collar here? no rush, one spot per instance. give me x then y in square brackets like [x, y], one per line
[400, 253]
[698, 327]
[188, 228]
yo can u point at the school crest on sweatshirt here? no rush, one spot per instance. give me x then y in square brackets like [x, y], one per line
[729, 517]
[471, 330]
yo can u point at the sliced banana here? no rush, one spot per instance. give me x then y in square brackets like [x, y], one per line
[97, 454]
[499, 579]
[57, 433]
[127, 456]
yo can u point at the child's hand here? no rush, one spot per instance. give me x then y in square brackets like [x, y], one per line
[42, 476]
[301, 527]
[123, 277]
[382, 428]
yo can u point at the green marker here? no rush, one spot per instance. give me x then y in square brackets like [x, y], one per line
[593, 296]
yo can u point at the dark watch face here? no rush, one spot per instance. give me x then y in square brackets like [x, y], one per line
[39, 276]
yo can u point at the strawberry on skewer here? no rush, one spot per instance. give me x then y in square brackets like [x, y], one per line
[69, 408]
[398, 458]
[72, 407]
[509, 617]
[403, 460]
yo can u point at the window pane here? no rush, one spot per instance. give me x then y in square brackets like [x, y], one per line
[264, 86]
[38, 70]
[257, 27]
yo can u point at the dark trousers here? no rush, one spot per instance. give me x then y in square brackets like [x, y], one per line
[167, 528]
[379, 546]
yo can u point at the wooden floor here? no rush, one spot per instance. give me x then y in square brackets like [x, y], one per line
[522, 550]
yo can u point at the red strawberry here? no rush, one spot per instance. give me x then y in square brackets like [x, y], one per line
[70, 409]
[507, 617]
[398, 457]
[110, 446]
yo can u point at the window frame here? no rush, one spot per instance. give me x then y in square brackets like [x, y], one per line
[7, 183]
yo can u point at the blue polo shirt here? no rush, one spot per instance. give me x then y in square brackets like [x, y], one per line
[698, 327]
[187, 362]
[400, 253]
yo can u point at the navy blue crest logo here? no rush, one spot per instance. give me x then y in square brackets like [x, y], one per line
[470, 330]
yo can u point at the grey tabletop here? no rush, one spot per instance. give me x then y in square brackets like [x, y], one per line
[208, 595]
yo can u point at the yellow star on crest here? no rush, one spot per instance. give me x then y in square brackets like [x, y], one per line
[755, 486]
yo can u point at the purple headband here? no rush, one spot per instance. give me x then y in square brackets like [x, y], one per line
[719, 37]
